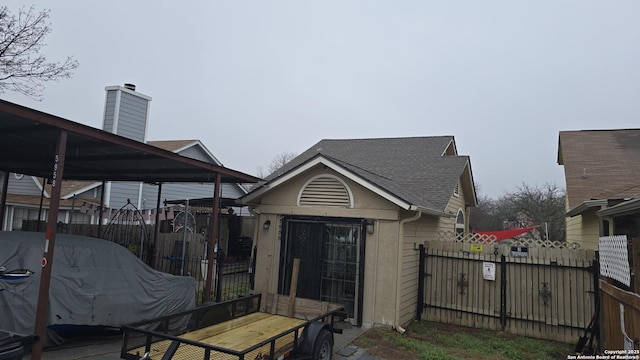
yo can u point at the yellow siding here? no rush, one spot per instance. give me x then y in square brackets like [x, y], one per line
[416, 233]
[584, 229]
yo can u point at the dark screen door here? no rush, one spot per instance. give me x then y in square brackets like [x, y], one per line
[329, 256]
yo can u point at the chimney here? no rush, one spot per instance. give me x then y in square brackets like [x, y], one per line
[126, 112]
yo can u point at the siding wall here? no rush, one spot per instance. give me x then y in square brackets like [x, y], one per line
[172, 191]
[196, 152]
[120, 192]
[109, 111]
[416, 233]
[381, 278]
[132, 117]
[24, 186]
[584, 229]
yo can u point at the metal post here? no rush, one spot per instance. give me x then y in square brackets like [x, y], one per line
[44, 181]
[49, 243]
[156, 227]
[104, 185]
[3, 201]
[184, 237]
[503, 292]
[421, 279]
[220, 273]
[213, 237]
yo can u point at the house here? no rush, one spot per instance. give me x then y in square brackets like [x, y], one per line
[127, 114]
[602, 172]
[353, 212]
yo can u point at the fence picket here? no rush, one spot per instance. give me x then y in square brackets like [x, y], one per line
[547, 294]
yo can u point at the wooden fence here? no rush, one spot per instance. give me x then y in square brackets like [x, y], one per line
[622, 317]
[537, 291]
[620, 287]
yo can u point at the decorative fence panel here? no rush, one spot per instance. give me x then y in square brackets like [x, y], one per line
[619, 286]
[531, 289]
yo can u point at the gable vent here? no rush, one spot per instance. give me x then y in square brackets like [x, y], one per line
[325, 191]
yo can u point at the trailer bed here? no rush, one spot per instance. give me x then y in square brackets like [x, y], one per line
[236, 330]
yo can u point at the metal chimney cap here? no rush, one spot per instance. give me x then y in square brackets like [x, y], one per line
[131, 87]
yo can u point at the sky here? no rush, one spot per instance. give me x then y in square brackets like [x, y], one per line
[255, 79]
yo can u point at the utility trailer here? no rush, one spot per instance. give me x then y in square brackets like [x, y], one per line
[238, 330]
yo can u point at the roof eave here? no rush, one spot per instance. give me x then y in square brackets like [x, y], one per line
[586, 205]
[249, 198]
[431, 212]
[624, 208]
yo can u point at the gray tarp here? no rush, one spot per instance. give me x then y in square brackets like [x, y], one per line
[94, 282]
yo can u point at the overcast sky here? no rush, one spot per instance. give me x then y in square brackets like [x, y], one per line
[253, 79]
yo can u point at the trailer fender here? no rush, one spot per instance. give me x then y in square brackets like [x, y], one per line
[309, 339]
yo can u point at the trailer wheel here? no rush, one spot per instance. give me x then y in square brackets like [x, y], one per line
[323, 348]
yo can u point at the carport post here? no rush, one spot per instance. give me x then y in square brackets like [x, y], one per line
[49, 243]
[156, 226]
[3, 201]
[213, 239]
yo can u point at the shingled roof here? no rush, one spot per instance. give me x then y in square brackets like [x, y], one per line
[600, 164]
[422, 171]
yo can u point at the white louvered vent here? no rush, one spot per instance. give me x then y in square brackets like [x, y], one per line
[325, 191]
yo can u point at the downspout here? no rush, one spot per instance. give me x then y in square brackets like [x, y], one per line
[415, 217]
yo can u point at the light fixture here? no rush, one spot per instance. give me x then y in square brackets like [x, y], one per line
[267, 224]
[370, 227]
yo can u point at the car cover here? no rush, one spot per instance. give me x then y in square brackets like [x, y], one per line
[94, 282]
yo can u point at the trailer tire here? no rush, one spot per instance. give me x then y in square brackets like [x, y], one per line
[316, 339]
[323, 348]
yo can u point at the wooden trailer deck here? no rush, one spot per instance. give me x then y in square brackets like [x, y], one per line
[237, 334]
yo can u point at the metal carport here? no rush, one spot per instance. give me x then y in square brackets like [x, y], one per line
[39, 144]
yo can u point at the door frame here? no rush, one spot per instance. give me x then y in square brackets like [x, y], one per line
[283, 285]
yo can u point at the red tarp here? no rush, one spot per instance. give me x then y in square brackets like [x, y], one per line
[507, 234]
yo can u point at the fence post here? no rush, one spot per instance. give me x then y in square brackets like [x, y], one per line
[597, 327]
[220, 273]
[503, 292]
[421, 278]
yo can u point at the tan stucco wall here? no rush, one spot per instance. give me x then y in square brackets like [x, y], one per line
[382, 250]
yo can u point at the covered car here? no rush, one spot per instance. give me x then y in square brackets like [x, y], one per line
[94, 283]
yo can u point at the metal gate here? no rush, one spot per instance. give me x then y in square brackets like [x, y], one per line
[523, 289]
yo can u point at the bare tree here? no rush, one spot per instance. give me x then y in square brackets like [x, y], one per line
[278, 162]
[23, 68]
[529, 205]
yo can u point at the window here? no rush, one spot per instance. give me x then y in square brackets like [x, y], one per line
[459, 225]
[21, 214]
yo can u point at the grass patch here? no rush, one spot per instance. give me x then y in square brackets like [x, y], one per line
[425, 340]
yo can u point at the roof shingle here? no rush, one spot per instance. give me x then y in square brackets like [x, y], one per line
[600, 164]
[415, 169]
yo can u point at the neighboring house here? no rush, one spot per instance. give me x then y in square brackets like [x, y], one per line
[26, 192]
[354, 212]
[126, 114]
[602, 171]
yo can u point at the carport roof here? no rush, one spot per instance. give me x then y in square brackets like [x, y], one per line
[28, 141]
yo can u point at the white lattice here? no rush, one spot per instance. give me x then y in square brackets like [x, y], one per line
[614, 258]
[487, 239]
